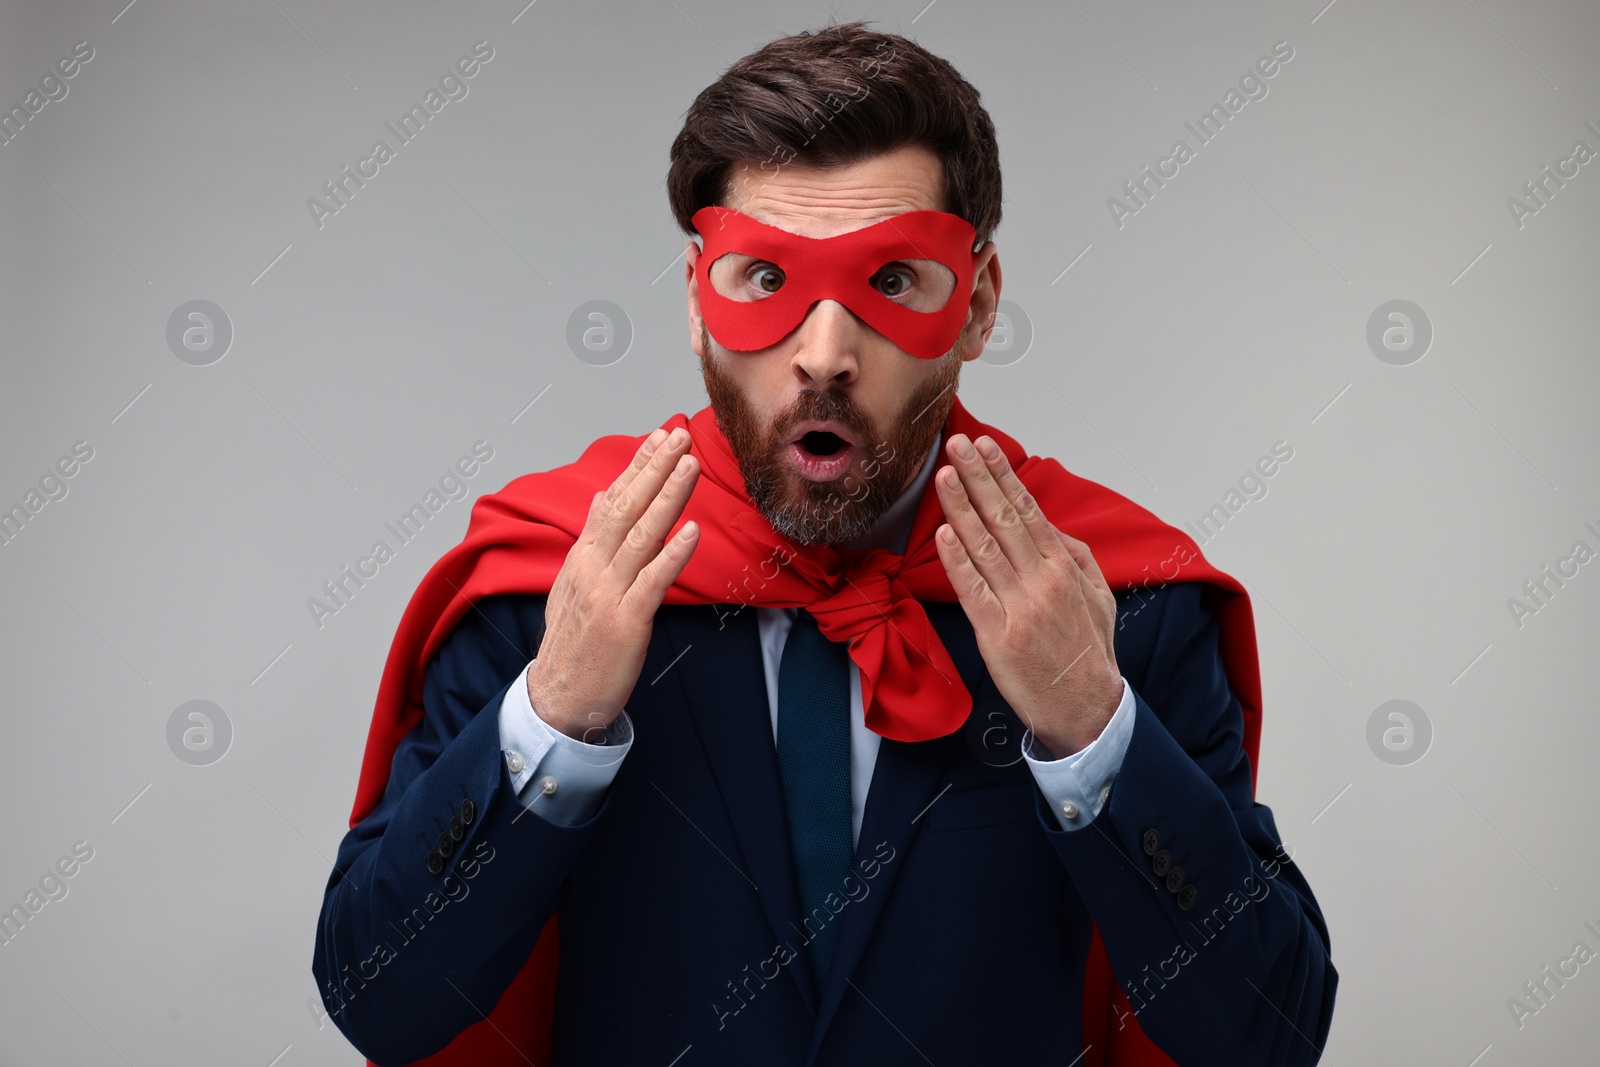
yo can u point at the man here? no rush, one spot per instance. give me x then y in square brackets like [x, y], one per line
[802, 732]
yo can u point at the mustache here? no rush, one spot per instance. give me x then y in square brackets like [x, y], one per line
[822, 407]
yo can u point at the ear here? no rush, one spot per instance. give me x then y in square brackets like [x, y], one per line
[985, 299]
[691, 283]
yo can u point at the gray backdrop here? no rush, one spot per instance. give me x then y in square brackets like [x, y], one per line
[229, 464]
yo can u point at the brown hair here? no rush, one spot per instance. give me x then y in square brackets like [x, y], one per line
[833, 97]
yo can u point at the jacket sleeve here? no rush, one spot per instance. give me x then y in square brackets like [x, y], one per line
[438, 896]
[1211, 929]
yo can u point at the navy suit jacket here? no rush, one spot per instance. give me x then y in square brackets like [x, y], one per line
[961, 940]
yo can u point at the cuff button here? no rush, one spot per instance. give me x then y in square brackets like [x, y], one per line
[469, 811]
[458, 829]
[435, 861]
[1186, 897]
[1161, 863]
[1175, 880]
[1151, 842]
[446, 845]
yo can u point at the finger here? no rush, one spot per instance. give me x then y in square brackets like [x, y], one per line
[632, 497]
[650, 588]
[1096, 591]
[641, 456]
[1102, 609]
[1084, 559]
[647, 450]
[644, 540]
[1032, 516]
[978, 543]
[977, 598]
[999, 516]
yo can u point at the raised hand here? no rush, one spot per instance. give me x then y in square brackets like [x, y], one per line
[1041, 610]
[601, 609]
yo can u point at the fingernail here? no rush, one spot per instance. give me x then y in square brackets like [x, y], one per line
[652, 441]
[676, 437]
[964, 447]
[989, 449]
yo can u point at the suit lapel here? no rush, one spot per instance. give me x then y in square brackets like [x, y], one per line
[718, 663]
[719, 666]
[904, 783]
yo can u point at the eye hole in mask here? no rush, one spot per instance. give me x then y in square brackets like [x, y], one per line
[907, 277]
[922, 285]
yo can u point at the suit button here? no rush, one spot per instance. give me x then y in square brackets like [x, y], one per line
[469, 811]
[1161, 863]
[1151, 842]
[1175, 879]
[458, 829]
[435, 861]
[1186, 897]
[446, 845]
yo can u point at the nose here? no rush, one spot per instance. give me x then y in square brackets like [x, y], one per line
[826, 356]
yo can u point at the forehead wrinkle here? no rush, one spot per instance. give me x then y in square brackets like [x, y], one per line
[827, 201]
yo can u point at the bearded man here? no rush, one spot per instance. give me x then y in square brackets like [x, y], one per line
[826, 725]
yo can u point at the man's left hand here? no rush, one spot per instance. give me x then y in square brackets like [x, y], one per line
[1040, 609]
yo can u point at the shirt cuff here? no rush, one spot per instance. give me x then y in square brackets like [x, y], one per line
[1078, 786]
[569, 777]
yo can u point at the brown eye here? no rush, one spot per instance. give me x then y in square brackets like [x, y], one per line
[770, 279]
[892, 281]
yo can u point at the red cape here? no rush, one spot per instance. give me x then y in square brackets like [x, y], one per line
[518, 538]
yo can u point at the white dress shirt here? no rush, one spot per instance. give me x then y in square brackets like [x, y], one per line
[572, 776]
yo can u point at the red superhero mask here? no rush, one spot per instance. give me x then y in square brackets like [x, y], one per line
[908, 277]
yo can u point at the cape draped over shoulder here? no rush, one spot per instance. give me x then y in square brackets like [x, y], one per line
[518, 538]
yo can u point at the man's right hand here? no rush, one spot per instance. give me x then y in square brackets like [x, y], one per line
[601, 609]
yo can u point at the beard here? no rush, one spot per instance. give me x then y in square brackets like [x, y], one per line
[839, 511]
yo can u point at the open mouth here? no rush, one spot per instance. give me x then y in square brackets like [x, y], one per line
[822, 442]
[821, 455]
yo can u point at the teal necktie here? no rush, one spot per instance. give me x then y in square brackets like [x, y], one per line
[814, 758]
